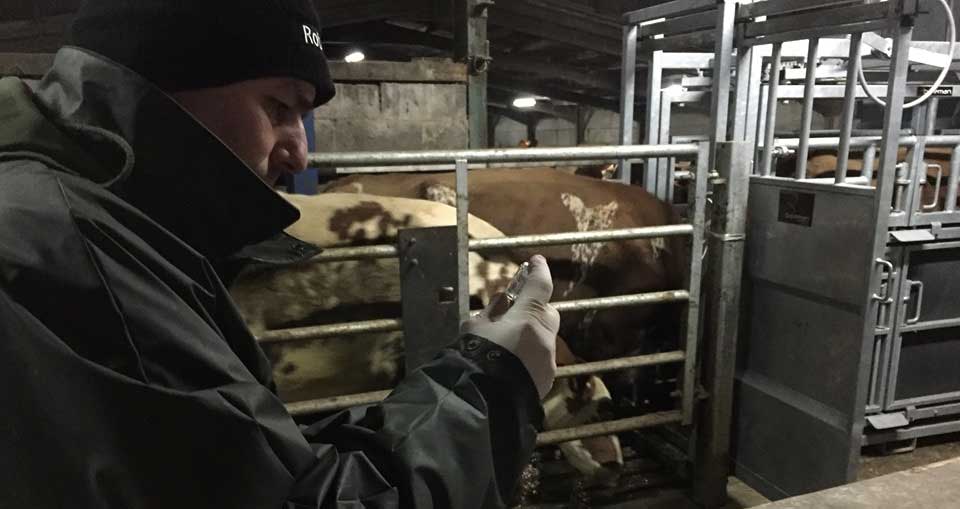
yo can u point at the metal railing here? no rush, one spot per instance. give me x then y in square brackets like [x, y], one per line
[462, 158]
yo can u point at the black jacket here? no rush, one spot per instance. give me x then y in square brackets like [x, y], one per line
[127, 378]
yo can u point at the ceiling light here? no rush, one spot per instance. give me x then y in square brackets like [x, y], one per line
[354, 57]
[524, 102]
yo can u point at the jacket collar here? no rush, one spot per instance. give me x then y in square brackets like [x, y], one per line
[177, 172]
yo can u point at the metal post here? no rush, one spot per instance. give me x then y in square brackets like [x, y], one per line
[869, 159]
[753, 100]
[952, 180]
[931, 121]
[663, 174]
[628, 86]
[692, 324]
[463, 241]
[652, 115]
[471, 46]
[917, 174]
[723, 50]
[770, 124]
[893, 115]
[849, 105]
[742, 106]
[725, 265]
[806, 118]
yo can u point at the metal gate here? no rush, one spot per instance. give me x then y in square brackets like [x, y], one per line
[706, 456]
[834, 349]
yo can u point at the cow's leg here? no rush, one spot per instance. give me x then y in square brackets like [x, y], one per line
[576, 401]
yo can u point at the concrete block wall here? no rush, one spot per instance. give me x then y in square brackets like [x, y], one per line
[380, 114]
[393, 116]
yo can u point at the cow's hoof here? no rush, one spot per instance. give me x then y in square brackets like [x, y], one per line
[598, 459]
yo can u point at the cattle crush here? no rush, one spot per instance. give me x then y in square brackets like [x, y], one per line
[835, 264]
[850, 333]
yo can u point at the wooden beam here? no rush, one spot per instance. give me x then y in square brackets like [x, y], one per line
[554, 32]
[519, 63]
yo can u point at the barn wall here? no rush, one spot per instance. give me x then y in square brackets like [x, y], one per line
[395, 106]
[602, 129]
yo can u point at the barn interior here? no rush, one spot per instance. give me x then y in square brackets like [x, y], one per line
[805, 156]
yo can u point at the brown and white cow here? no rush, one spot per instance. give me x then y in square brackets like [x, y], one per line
[315, 293]
[536, 201]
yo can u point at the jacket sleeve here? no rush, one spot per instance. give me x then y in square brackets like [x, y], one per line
[455, 433]
[127, 382]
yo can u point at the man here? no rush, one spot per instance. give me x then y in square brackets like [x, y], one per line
[128, 378]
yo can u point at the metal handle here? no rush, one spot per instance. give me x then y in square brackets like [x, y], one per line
[936, 193]
[919, 286]
[885, 299]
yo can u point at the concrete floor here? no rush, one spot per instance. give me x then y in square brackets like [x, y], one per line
[929, 450]
[654, 489]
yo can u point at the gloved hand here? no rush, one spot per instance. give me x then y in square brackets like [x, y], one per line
[528, 329]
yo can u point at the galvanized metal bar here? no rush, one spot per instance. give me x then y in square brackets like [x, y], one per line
[933, 105]
[639, 361]
[652, 117]
[917, 174]
[951, 204]
[681, 24]
[866, 141]
[334, 403]
[548, 239]
[741, 105]
[830, 19]
[759, 141]
[664, 165]
[392, 324]
[893, 115]
[607, 428]
[326, 331]
[806, 116]
[516, 155]
[810, 33]
[463, 241]
[692, 324]
[336, 254]
[770, 123]
[618, 301]
[776, 7]
[628, 85]
[849, 106]
[722, 305]
[723, 54]
[554, 239]
[754, 99]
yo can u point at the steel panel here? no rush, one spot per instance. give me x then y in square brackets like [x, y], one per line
[428, 292]
[803, 377]
[796, 256]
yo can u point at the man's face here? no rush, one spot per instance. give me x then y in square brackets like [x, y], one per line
[260, 120]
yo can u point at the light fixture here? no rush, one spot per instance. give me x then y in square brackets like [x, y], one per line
[354, 57]
[524, 102]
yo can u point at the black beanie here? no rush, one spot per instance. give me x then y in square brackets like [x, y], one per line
[189, 44]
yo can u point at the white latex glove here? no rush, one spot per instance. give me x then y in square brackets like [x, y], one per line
[528, 329]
